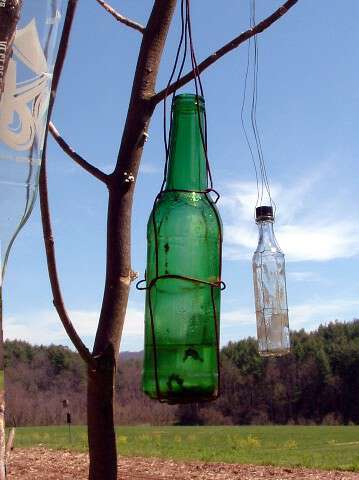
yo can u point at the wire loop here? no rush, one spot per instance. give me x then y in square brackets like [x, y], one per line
[139, 283]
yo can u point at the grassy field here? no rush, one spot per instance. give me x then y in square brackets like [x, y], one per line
[317, 447]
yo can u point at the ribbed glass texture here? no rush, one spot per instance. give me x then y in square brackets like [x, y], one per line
[270, 293]
[180, 359]
[29, 52]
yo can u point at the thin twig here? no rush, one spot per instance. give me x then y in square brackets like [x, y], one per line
[121, 18]
[260, 27]
[44, 201]
[75, 156]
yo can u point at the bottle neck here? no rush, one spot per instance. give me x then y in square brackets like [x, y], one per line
[267, 240]
[187, 166]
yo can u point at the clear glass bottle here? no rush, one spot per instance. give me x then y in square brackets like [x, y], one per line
[270, 289]
[184, 239]
[28, 41]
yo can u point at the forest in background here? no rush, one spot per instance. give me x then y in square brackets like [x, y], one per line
[317, 383]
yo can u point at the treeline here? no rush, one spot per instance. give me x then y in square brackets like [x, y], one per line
[317, 383]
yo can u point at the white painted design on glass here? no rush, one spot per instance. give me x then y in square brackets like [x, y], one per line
[54, 19]
[23, 107]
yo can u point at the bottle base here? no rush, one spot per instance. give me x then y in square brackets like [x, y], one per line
[185, 373]
[274, 353]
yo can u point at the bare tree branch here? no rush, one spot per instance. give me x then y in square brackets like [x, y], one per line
[121, 18]
[51, 264]
[44, 201]
[259, 28]
[75, 156]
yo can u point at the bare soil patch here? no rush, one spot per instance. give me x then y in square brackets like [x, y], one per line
[44, 464]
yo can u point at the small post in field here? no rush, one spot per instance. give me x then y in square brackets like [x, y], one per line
[66, 405]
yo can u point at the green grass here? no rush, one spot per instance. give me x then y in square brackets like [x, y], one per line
[317, 447]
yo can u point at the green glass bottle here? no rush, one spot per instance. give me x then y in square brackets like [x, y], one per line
[184, 238]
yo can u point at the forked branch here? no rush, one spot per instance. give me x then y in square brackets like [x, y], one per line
[121, 18]
[243, 37]
[44, 201]
[75, 156]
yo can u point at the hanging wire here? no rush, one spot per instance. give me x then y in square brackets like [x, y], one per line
[183, 37]
[262, 178]
[186, 36]
[243, 123]
[198, 83]
[186, 39]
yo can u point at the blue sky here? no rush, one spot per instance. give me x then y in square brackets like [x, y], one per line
[308, 109]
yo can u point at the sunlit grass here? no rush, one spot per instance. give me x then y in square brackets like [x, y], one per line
[318, 447]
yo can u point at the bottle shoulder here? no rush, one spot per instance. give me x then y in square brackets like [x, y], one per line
[269, 250]
[180, 211]
[266, 257]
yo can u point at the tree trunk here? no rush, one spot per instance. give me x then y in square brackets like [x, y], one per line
[2, 435]
[101, 431]
[100, 390]
[9, 16]
[2, 398]
[10, 444]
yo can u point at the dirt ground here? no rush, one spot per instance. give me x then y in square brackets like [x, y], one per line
[42, 464]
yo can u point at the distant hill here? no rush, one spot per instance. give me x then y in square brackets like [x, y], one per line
[131, 356]
[318, 382]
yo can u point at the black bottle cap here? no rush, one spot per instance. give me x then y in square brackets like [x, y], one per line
[264, 213]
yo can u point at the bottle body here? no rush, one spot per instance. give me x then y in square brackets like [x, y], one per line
[270, 294]
[183, 296]
[184, 312]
